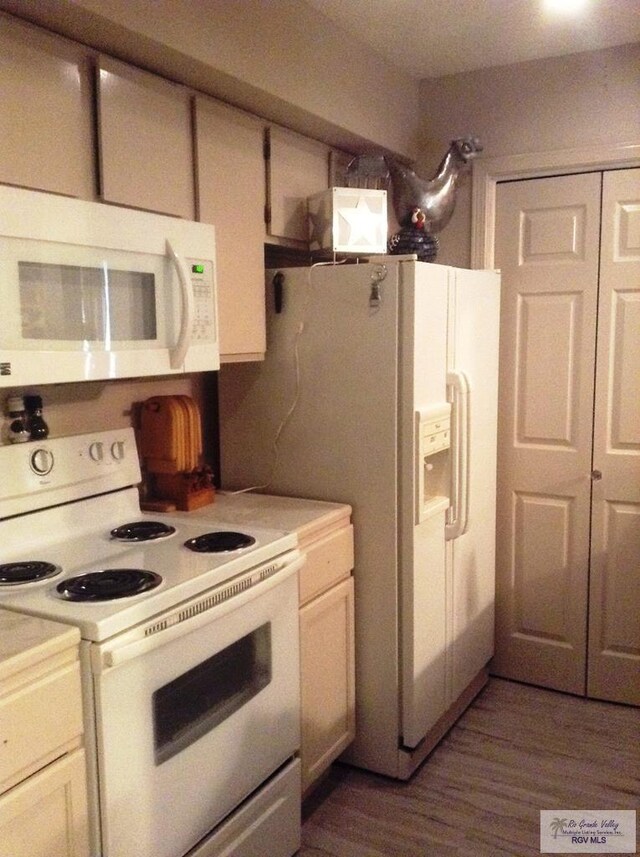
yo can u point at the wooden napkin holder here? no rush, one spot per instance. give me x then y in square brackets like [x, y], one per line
[171, 451]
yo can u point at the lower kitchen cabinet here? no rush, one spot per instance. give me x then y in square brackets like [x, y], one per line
[327, 644]
[43, 786]
[326, 669]
[46, 815]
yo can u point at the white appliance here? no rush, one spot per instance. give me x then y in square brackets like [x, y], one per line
[93, 291]
[380, 390]
[189, 651]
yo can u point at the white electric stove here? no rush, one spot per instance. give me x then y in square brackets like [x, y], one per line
[189, 649]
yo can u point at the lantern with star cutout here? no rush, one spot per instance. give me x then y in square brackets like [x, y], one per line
[348, 220]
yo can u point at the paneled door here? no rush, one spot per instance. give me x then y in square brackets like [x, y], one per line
[568, 534]
[614, 592]
[547, 247]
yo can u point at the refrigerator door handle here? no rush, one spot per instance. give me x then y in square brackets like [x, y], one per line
[458, 393]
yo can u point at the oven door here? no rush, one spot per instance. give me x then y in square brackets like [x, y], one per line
[194, 716]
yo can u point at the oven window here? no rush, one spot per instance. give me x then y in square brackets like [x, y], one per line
[200, 699]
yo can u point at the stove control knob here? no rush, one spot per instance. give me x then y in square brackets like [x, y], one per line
[96, 451]
[117, 450]
[41, 461]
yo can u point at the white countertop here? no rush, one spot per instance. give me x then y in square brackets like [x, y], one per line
[281, 513]
[26, 640]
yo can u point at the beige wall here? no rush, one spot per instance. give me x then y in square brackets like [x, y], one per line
[569, 102]
[96, 405]
[280, 59]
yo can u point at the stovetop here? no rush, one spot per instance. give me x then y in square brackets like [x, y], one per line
[185, 573]
[76, 538]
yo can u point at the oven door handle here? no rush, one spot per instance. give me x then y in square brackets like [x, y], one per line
[200, 611]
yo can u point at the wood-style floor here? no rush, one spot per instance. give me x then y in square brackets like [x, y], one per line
[515, 751]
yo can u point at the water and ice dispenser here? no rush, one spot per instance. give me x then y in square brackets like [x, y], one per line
[433, 441]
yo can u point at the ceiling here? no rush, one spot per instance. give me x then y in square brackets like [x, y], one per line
[429, 38]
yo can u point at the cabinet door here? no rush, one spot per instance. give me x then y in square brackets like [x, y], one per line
[614, 612]
[327, 679]
[547, 247]
[52, 699]
[297, 168]
[46, 132]
[230, 182]
[145, 141]
[46, 815]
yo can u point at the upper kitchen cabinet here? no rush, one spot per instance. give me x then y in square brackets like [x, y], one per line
[230, 188]
[297, 167]
[145, 141]
[46, 131]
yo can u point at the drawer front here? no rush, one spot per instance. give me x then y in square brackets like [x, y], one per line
[268, 823]
[329, 560]
[38, 723]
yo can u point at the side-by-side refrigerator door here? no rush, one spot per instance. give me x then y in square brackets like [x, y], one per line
[474, 309]
[425, 448]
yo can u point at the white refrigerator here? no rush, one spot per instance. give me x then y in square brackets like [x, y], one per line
[379, 389]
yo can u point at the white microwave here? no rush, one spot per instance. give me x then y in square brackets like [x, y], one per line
[91, 291]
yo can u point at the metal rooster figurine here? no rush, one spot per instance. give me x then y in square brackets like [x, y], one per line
[422, 207]
[436, 198]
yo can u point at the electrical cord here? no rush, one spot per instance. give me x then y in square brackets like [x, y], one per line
[275, 449]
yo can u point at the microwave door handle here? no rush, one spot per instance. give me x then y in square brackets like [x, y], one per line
[179, 351]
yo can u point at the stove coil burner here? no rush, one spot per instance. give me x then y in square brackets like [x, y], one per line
[13, 573]
[142, 531]
[108, 584]
[223, 541]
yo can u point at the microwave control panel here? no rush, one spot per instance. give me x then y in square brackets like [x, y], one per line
[204, 319]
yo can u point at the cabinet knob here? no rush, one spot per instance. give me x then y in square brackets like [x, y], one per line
[596, 475]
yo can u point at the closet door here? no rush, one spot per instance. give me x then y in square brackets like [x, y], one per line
[614, 614]
[547, 246]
